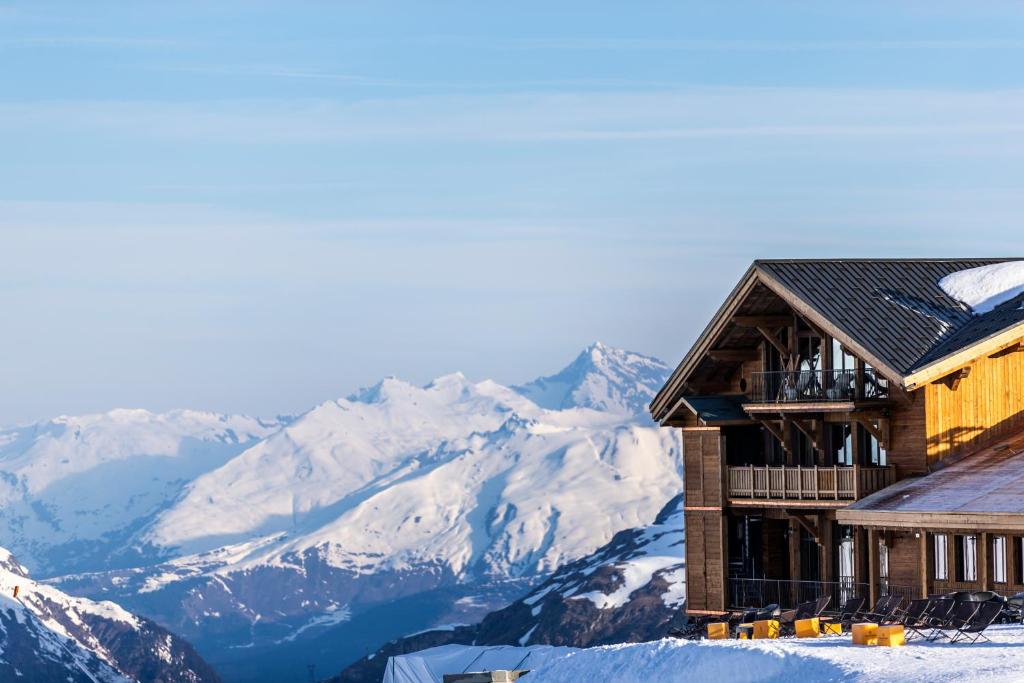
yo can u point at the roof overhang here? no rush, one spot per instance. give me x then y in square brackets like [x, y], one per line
[977, 490]
[669, 399]
[958, 359]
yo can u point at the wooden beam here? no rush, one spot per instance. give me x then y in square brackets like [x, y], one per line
[762, 320]
[922, 562]
[880, 432]
[953, 379]
[812, 529]
[774, 340]
[738, 355]
[981, 540]
[811, 431]
[872, 568]
[1011, 349]
[775, 430]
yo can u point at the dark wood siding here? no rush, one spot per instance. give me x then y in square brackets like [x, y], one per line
[702, 465]
[904, 559]
[705, 560]
[907, 438]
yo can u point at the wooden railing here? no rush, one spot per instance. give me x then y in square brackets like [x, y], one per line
[807, 483]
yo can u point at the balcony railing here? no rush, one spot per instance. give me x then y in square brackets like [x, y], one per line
[754, 482]
[756, 593]
[803, 386]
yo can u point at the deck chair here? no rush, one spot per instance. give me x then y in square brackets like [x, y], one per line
[937, 616]
[820, 604]
[884, 609]
[788, 619]
[849, 612]
[913, 618]
[973, 630]
[959, 616]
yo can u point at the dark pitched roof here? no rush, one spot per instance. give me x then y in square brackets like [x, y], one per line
[895, 309]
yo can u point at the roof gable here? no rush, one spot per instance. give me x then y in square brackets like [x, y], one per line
[891, 312]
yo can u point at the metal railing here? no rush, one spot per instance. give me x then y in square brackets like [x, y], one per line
[849, 483]
[809, 386]
[787, 593]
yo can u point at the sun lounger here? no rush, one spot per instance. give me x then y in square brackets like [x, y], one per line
[973, 630]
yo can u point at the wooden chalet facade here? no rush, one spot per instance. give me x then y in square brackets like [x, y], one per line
[849, 427]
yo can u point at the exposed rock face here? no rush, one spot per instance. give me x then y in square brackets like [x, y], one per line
[630, 590]
[50, 636]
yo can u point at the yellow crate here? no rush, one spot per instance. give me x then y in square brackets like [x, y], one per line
[832, 628]
[745, 631]
[766, 628]
[891, 635]
[807, 628]
[718, 631]
[865, 634]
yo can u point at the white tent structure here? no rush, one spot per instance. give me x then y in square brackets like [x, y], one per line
[428, 666]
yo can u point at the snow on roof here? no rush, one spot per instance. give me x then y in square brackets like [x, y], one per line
[985, 287]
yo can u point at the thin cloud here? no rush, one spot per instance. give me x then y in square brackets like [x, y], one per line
[684, 45]
[709, 113]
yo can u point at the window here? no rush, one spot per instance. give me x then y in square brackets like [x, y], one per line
[841, 358]
[1018, 554]
[999, 559]
[809, 349]
[872, 452]
[941, 558]
[883, 567]
[966, 558]
[842, 444]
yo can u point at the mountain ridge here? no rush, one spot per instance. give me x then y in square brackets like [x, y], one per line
[457, 494]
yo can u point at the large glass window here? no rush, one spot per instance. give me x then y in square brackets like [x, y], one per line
[841, 358]
[941, 557]
[999, 559]
[841, 441]
[810, 353]
[967, 558]
[872, 452]
[883, 567]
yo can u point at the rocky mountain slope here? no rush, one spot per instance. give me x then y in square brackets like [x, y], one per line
[50, 636]
[426, 504]
[630, 590]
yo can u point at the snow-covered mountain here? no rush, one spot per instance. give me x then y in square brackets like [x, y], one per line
[49, 637]
[630, 590]
[57, 477]
[604, 378]
[442, 502]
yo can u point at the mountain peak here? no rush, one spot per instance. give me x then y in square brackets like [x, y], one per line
[601, 377]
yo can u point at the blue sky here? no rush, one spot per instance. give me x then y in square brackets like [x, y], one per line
[255, 207]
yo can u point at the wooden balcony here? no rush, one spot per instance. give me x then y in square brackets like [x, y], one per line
[834, 486]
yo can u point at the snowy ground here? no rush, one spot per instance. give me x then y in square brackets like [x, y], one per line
[823, 659]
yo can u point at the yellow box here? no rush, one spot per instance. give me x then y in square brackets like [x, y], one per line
[891, 635]
[807, 628]
[832, 628]
[865, 634]
[766, 628]
[745, 631]
[718, 631]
